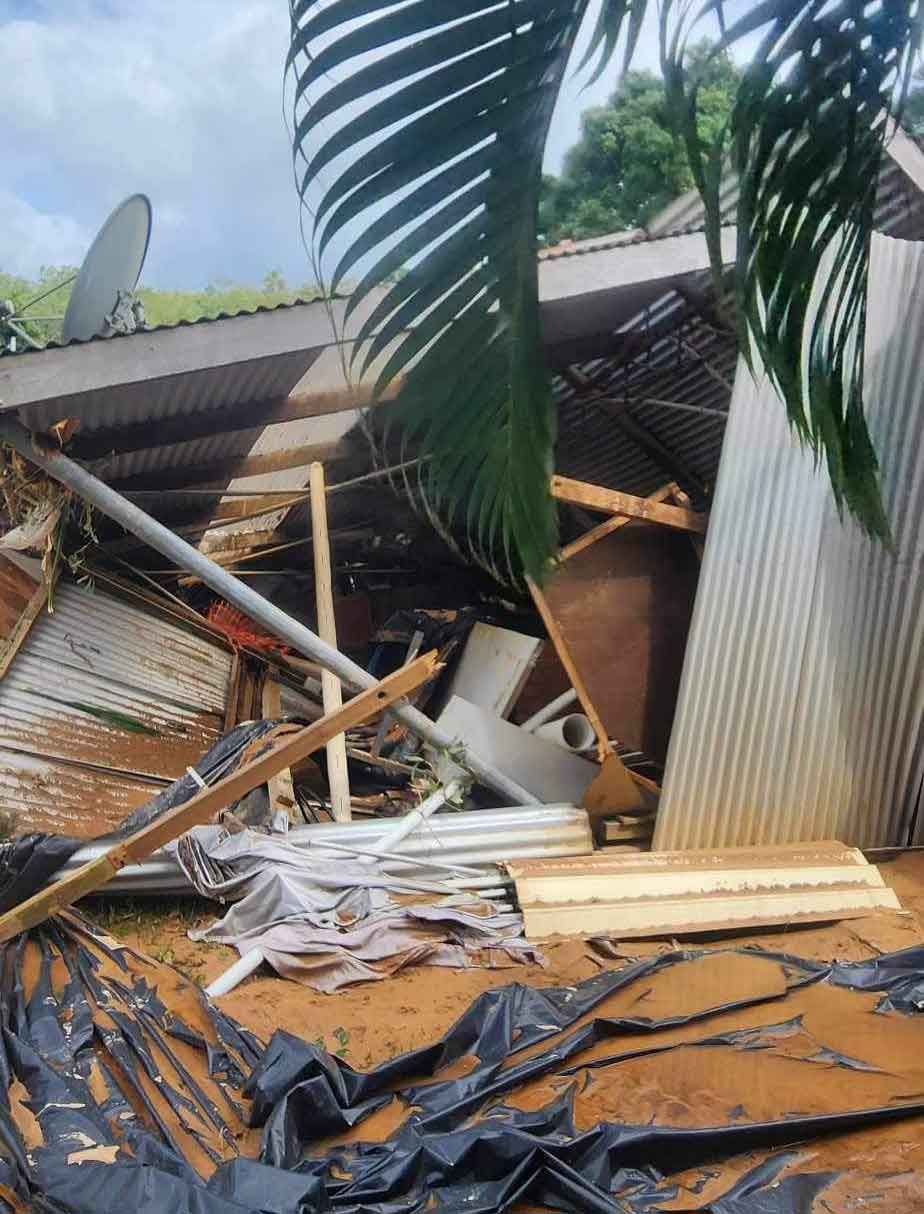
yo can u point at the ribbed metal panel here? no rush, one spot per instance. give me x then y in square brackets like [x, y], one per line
[481, 837]
[120, 642]
[39, 715]
[178, 395]
[65, 764]
[49, 795]
[801, 709]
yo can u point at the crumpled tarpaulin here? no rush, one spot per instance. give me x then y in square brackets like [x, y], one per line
[736, 1082]
[329, 924]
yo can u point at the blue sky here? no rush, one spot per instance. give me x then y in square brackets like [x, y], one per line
[179, 99]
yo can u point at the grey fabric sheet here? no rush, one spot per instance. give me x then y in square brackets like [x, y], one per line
[329, 923]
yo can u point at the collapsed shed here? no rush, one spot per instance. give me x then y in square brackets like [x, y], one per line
[212, 428]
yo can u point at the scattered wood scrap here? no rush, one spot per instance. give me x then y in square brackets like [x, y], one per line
[687, 892]
[614, 523]
[22, 597]
[629, 828]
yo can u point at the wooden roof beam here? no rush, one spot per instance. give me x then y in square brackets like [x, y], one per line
[610, 501]
[234, 468]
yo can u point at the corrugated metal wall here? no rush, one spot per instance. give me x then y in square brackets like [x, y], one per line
[801, 709]
[63, 766]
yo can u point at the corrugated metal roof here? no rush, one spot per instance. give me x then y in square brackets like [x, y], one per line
[99, 634]
[66, 759]
[591, 445]
[801, 710]
[64, 798]
[211, 389]
[683, 366]
[298, 302]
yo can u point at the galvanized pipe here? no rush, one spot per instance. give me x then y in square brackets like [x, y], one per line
[241, 596]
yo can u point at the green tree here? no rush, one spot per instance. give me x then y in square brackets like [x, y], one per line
[21, 292]
[630, 161]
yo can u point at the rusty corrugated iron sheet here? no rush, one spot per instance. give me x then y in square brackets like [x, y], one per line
[801, 708]
[45, 794]
[104, 704]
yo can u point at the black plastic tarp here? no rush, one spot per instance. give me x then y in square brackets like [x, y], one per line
[127, 1085]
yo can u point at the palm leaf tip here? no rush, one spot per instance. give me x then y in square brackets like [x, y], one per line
[809, 135]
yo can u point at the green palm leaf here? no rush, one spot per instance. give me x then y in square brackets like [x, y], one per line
[419, 133]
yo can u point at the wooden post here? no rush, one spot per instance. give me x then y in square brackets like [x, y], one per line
[280, 787]
[332, 694]
[201, 807]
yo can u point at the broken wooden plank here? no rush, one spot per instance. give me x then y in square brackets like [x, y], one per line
[627, 830]
[387, 720]
[11, 644]
[610, 525]
[564, 656]
[677, 893]
[280, 787]
[338, 777]
[610, 501]
[201, 807]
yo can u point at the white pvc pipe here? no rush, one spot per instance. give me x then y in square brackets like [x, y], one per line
[573, 732]
[235, 974]
[409, 823]
[551, 710]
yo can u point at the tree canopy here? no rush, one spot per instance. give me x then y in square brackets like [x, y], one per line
[629, 162]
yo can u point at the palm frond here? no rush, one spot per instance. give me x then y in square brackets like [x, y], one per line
[807, 136]
[419, 136]
[419, 131]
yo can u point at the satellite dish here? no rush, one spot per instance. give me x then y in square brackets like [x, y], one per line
[101, 301]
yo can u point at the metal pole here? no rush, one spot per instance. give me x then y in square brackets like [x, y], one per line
[241, 596]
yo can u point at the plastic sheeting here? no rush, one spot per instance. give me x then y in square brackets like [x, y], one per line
[328, 924]
[125, 1090]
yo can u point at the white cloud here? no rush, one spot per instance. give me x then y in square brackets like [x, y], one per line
[30, 239]
[181, 101]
